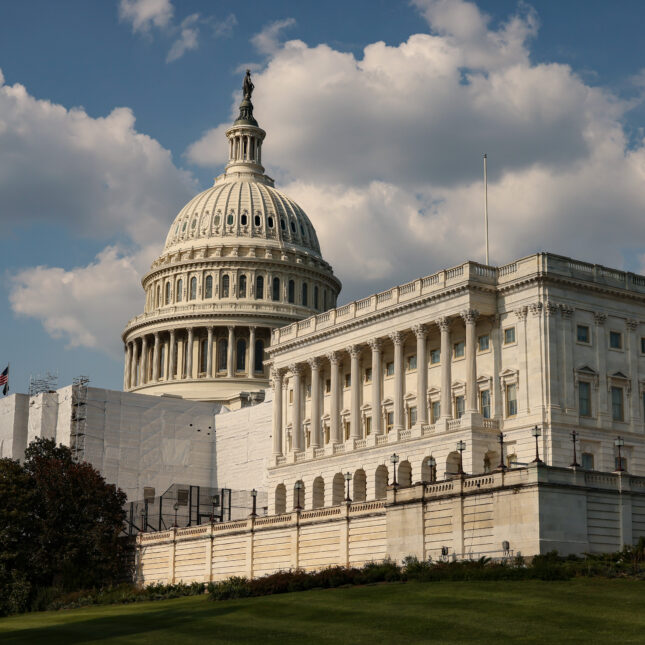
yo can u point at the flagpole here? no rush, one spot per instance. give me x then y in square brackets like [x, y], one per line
[486, 204]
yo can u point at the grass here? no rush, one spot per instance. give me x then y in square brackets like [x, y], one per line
[586, 611]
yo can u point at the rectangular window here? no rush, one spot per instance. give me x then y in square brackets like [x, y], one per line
[348, 380]
[328, 386]
[615, 340]
[484, 403]
[459, 349]
[583, 335]
[587, 461]
[412, 417]
[484, 343]
[617, 412]
[368, 426]
[460, 406]
[389, 369]
[368, 375]
[509, 336]
[511, 400]
[435, 356]
[643, 345]
[435, 411]
[584, 399]
[390, 421]
[412, 362]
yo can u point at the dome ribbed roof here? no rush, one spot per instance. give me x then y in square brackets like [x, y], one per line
[241, 208]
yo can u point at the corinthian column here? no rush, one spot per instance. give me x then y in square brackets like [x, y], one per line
[172, 368]
[398, 338]
[128, 366]
[298, 442]
[155, 358]
[470, 318]
[209, 353]
[421, 333]
[316, 439]
[355, 407]
[135, 361]
[377, 385]
[251, 369]
[189, 353]
[230, 370]
[446, 359]
[143, 376]
[334, 411]
[276, 376]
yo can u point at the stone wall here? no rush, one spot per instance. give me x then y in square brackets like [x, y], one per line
[535, 509]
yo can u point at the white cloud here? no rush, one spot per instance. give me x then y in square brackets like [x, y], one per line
[188, 38]
[267, 41]
[224, 28]
[143, 15]
[384, 151]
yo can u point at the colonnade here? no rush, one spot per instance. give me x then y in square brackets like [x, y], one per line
[245, 147]
[195, 352]
[308, 374]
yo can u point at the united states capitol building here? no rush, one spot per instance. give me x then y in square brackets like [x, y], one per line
[478, 410]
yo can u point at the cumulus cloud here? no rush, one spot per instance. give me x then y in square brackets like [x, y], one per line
[143, 15]
[188, 38]
[384, 151]
[267, 41]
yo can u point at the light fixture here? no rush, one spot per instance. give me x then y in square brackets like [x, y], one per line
[348, 478]
[537, 433]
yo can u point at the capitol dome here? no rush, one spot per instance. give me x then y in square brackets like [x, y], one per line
[240, 259]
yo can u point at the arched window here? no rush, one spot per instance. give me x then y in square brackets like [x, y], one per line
[380, 482]
[244, 219]
[283, 224]
[304, 294]
[316, 297]
[405, 474]
[208, 291]
[452, 464]
[222, 351]
[240, 355]
[259, 287]
[276, 289]
[259, 356]
[162, 361]
[193, 288]
[360, 486]
[167, 293]
[270, 222]
[242, 287]
[324, 299]
[226, 281]
[429, 472]
[229, 219]
[292, 291]
[203, 354]
[299, 495]
[318, 493]
[280, 499]
[180, 290]
[338, 489]
[293, 227]
[257, 220]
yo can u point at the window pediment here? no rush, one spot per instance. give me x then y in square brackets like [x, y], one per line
[509, 377]
[586, 373]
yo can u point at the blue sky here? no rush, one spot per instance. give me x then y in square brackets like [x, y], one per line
[86, 195]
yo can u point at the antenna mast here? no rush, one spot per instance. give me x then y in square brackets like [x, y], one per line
[486, 204]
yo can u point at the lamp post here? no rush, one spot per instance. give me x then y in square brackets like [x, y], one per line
[176, 508]
[432, 463]
[619, 443]
[574, 438]
[537, 433]
[254, 495]
[502, 465]
[298, 489]
[348, 478]
[461, 446]
[395, 460]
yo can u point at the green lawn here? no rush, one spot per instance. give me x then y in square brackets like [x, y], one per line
[579, 611]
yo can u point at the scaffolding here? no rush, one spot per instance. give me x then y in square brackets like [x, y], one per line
[47, 382]
[78, 421]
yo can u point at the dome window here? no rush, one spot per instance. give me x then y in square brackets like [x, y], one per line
[183, 228]
[259, 356]
[292, 292]
[193, 288]
[293, 227]
[257, 220]
[167, 293]
[283, 224]
[209, 286]
[316, 297]
[194, 223]
[259, 287]
[275, 294]
[305, 298]
[302, 230]
[240, 362]
[217, 220]
[225, 286]
[245, 220]
[242, 287]
[229, 219]
[270, 222]
[180, 288]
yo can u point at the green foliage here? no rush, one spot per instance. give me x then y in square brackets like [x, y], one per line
[60, 525]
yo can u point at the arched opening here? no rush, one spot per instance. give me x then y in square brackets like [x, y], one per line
[316, 297]
[203, 355]
[360, 486]
[226, 285]
[491, 461]
[240, 355]
[428, 471]
[380, 482]
[338, 489]
[405, 474]
[167, 293]
[241, 292]
[280, 499]
[298, 495]
[259, 356]
[208, 291]
[193, 288]
[304, 294]
[259, 287]
[276, 289]
[452, 464]
[180, 289]
[222, 351]
[318, 493]
[161, 366]
[292, 292]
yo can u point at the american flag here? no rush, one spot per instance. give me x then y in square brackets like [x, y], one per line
[4, 380]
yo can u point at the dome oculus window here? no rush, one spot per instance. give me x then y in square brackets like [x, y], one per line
[217, 220]
[245, 220]
[293, 227]
[257, 220]
[229, 219]
[283, 225]
[270, 222]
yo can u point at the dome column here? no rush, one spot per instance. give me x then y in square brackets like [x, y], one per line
[143, 372]
[230, 369]
[251, 370]
[209, 353]
[135, 360]
[155, 358]
[171, 356]
[189, 353]
[128, 366]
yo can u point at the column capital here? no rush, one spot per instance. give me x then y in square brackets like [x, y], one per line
[314, 363]
[420, 331]
[376, 344]
[210, 329]
[566, 311]
[599, 318]
[632, 325]
[333, 358]
[172, 333]
[397, 337]
[156, 335]
[231, 328]
[353, 350]
[470, 316]
[296, 369]
[276, 374]
[536, 308]
[520, 312]
[252, 328]
[443, 323]
[550, 308]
